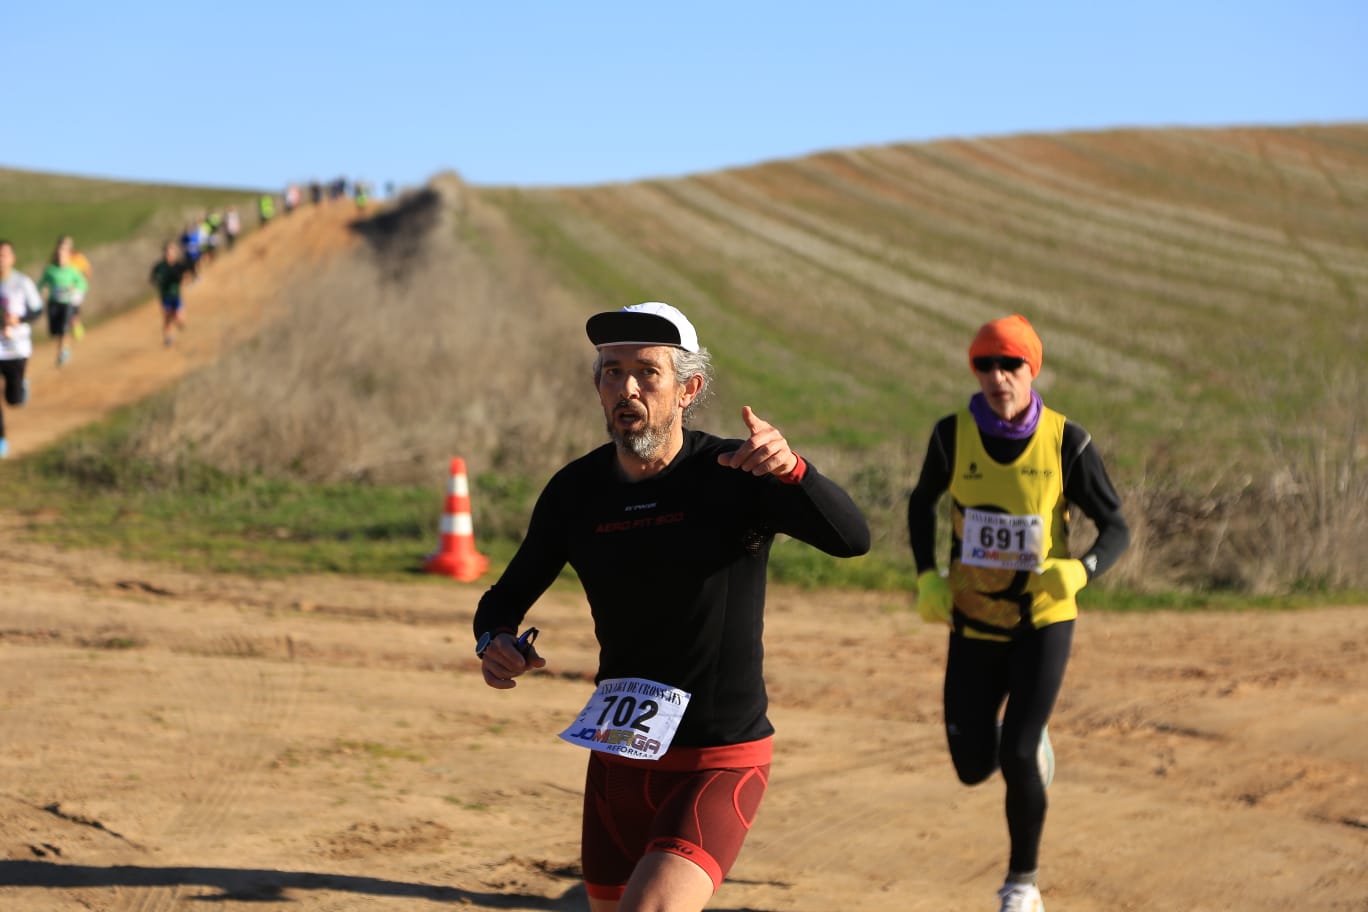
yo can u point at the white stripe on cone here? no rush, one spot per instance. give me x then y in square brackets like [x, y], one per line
[457, 524]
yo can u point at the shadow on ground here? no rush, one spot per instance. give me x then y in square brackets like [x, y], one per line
[264, 885]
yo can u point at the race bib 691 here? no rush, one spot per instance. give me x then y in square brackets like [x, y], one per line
[1001, 540]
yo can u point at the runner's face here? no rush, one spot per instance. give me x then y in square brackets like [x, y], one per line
[6, 259]
[641, 399]
[1008, 392]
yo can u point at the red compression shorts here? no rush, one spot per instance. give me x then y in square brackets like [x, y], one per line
[698, 803]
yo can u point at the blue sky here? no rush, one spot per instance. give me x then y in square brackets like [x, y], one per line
[256, 94]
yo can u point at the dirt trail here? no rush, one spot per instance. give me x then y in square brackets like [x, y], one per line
[172, 740]
[122, 360]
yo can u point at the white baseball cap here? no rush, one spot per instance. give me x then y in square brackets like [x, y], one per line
[652, 323]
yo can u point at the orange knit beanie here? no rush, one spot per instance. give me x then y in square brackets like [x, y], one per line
[1012, 337]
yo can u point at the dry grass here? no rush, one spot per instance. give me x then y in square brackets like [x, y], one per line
[1299, 530]
[387, 365]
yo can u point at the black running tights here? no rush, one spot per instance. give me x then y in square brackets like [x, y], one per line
[12, 372]
[1026, 673]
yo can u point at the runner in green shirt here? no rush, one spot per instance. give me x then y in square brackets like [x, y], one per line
[167, 274]
[64, 286]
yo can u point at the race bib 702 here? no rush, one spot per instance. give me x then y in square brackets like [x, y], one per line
[630, 717]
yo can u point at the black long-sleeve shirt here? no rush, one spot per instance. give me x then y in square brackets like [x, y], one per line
[674, 569]
[1086, 486]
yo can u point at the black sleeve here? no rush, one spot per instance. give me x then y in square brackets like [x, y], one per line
[819, 512]
[934, 482]
[538, 561]
[1087, 486]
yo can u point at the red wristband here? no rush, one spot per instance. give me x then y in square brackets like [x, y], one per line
[795, 474]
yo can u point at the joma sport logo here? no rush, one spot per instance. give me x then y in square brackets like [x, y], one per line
[623, 737]
[973, 471]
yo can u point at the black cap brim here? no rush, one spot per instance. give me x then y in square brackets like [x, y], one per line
[623, 328]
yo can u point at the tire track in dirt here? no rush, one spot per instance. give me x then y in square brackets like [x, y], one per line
[186, 661]
[234, 711]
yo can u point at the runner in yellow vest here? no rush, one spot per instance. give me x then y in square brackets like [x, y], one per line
[1013, 468]
[82, 264]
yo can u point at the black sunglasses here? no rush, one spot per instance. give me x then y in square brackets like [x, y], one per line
[987, 364]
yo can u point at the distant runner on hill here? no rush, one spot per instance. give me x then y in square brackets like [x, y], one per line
[167, 274]
[192, 247]
[65, 287]
[211, 230]
[20, 304]
[266, 208]
[232, 226]
[78, 259]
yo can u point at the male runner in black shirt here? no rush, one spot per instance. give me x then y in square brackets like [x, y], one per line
[669, 530]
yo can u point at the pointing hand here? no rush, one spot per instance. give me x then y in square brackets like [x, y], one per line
[764, 452]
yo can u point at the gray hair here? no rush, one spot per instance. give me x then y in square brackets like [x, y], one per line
[687, 364]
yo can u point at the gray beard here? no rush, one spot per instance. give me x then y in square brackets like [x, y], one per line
[643, 444]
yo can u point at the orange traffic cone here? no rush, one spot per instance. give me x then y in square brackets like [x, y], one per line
[456, 555]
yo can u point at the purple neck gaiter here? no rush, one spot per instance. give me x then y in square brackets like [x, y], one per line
[991, 424]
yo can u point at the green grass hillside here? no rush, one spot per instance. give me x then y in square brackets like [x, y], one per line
[37, 207]
[1193, 287]
[1200, 293]
[117, 224]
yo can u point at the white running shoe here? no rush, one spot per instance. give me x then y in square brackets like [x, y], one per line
[1045, 758]
[1020, 897]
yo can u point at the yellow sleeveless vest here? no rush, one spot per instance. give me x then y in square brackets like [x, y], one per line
[1015, 515]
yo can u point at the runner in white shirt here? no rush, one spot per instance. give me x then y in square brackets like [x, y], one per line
[20, 304]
